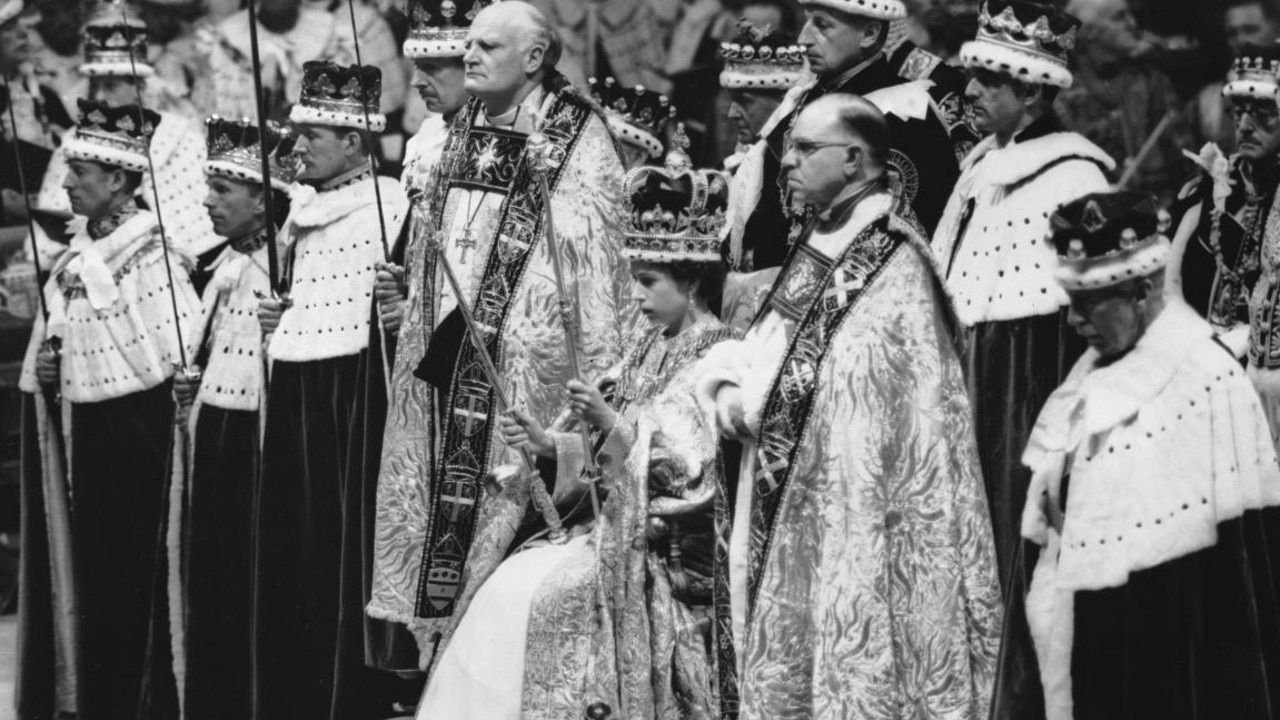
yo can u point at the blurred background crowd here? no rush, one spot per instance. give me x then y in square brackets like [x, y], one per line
[1147, 80]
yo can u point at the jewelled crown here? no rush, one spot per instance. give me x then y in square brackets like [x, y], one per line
[637, 115]
[1255, 73]
[234, 152]
[1027, 41]
[116, 136]
[761, 59]
[676, 212]
[340, 96]
[438, 28]
[115, 49]
[1106, 238]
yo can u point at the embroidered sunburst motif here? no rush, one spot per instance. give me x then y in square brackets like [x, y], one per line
[488, 157]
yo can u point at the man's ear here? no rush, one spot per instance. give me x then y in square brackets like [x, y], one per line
[853, 157]
[1143, 289]
[533, 59]
[1033, 92]
[260, 204]
[119, 180]
[872, 32]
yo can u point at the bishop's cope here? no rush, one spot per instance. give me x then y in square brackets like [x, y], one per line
[859, 469]
[487, 224]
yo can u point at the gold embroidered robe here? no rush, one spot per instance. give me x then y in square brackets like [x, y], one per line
[875, 595]
[605, 622]
[417, 504]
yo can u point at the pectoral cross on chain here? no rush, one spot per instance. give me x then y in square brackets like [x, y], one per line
[466, 241]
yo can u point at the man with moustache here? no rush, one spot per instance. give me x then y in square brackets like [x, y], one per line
[849, 47]
[1227, 239]
[325, 350]
[489, 220]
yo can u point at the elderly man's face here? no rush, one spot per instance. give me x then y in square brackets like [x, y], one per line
[1248, 25]
[439, 82]
[1257, 124]
[498, 59]
[821, 158]
[750, 110]
[1112, 319]
[835, 42]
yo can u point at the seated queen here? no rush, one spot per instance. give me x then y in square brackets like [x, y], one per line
[604, 606]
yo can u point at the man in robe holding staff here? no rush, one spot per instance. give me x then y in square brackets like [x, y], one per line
[120, 306]
[492, 225]
[324, 352]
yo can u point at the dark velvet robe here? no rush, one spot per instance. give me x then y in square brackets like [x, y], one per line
[927, 151]
[1194, 638]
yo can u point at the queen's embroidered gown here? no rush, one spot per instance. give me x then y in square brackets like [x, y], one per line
[552, 628]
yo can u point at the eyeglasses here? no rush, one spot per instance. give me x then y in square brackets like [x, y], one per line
[805, 148]
[1264, 114]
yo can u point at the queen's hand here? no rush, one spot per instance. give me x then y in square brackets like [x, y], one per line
[519, 429]
[589, 405]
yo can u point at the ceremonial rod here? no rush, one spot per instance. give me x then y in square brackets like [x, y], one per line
[570, 312]
[364, 105]
[273, 257]
[541, 497]
[1147, 147]
[26, 199]
[155, 190]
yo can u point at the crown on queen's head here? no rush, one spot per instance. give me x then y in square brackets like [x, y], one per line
[340, 96]
[234, 151]
[118, 136]
[438, 28]
[1255, 73]
[637, 115]
[676, 212]
[761, 59]
[1027, 41]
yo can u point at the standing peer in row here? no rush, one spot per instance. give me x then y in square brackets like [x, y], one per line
[325, 359]
[993, 243]
[119, 300]
[1155, 494]
[211, 534]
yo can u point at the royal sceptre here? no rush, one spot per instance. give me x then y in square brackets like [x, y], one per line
[541, 162]
[541, 498]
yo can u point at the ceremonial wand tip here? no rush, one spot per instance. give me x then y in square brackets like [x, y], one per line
[599, 711]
